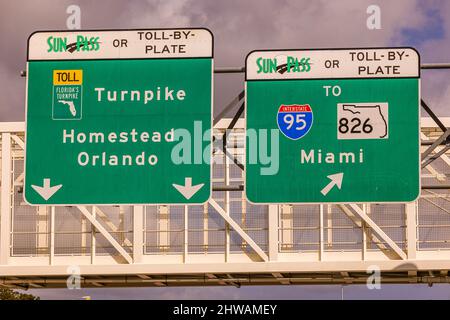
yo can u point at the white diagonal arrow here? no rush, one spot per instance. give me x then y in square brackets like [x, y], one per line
[188, 190]
[46, 191]
[336, 180]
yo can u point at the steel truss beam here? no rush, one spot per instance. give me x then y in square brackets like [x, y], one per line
[443, 139]
[229, 106]
[225, 215]
[359, 224]
[236, 280]
[110, 224]
[105, 233]
[163, 270]
[378, 231]
[374, 227]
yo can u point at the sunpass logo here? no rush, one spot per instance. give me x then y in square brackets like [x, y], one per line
[61, 44]
[282, 64]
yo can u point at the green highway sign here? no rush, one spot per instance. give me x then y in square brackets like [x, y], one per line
[119, 117]
[332, 126]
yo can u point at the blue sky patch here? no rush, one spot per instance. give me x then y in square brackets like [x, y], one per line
[433, 29]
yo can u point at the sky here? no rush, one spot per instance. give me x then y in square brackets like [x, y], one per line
[240, 26]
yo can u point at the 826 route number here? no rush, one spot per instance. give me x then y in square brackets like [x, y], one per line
[362, 120]
[355, 125]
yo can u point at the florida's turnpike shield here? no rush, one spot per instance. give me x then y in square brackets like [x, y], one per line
[333, 125]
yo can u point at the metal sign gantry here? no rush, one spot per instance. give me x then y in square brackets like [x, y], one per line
[228, 241]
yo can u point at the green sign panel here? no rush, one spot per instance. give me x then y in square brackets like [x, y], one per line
[332, 126]
[119, 117]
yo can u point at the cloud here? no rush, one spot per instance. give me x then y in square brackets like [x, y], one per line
[242, 26]
[436, 83]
